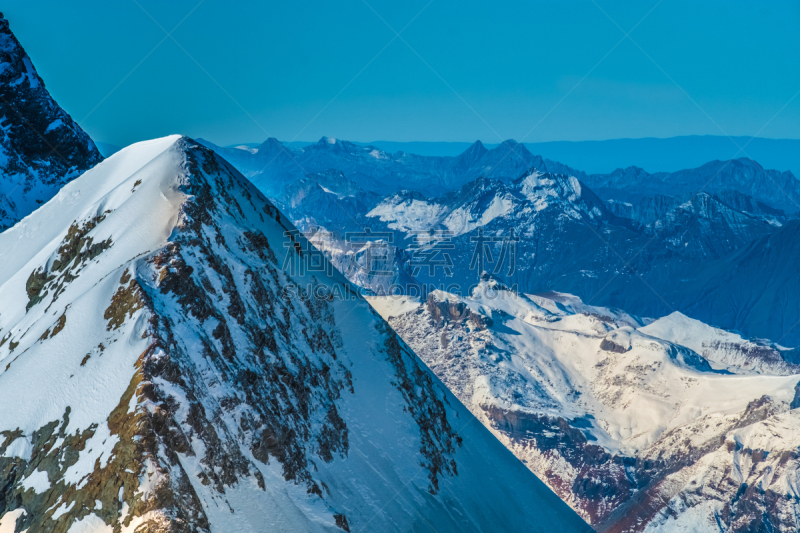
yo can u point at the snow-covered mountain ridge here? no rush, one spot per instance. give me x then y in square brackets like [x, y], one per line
[156, 376]
[686, 248]
[611, 409]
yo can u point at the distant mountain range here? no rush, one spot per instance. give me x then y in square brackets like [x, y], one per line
[778, 189]
[571, 241]
[599, 157]
[272, 164]
[648, 243]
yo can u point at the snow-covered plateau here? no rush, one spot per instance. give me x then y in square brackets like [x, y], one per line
[640, 425]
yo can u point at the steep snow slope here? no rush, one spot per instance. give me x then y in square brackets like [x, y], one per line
[160, 372]
[41, 147]
[590, 398]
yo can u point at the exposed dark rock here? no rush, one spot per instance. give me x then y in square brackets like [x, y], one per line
[611, 346]
[44, 148]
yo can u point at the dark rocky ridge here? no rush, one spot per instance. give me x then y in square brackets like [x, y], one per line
[42, 147]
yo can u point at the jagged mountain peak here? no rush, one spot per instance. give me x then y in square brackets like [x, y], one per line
[272, 147]
[170, 374]
[339, 147]
[41, 147]
[477, 146]
[470, 157]
[515, 148]
[272, 141]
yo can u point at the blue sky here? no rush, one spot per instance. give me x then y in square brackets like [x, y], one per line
[460, 70]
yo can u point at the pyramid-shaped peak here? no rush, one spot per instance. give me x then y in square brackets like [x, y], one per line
[471, 155]
[271, 142]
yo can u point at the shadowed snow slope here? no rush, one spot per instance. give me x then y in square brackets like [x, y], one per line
[156, 375]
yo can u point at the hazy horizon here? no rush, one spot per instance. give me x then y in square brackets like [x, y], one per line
[532, 71]
[605, 155]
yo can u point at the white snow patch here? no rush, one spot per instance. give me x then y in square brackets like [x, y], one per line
[90, 524]
[247, 148]
[62, 509]
[38, 481]
[54, 125]
[8, 522]
[408, 215]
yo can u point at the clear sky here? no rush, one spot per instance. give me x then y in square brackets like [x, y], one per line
[459, 71]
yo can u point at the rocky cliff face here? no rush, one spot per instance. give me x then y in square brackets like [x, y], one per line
[161, 371]
[41, 147]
